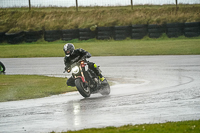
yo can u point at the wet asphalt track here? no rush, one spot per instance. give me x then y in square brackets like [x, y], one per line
[148, 89]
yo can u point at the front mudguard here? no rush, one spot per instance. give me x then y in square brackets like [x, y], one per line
[82, 78]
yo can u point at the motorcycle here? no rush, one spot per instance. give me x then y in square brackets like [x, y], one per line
[86, 81]
[2, 67]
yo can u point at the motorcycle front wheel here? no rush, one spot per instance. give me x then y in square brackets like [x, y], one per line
[84, 91]
[2, 67]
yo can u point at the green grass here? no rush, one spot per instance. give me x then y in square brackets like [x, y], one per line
[169, 127]
[20, 19]
[20, 87]
[129, 47]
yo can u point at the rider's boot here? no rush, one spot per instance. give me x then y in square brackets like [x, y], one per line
[97, 71]
[101, 77]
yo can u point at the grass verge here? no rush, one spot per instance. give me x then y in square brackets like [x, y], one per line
[20, 87]
[53, 18]
[129, 47]
[169, 127]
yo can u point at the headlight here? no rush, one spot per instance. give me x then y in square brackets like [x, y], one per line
[75, 70]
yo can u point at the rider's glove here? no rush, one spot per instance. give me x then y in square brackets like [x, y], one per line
[68, 69]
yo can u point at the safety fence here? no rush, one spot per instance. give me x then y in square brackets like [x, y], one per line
[191, 29]
[89, 3]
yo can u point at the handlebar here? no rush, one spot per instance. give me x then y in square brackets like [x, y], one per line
[76, 60]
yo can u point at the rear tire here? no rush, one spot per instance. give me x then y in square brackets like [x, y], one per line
[85, 92]
[105, 90]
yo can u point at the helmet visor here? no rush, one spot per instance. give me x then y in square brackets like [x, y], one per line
[67, 52]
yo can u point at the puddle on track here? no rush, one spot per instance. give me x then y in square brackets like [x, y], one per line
[167, 89]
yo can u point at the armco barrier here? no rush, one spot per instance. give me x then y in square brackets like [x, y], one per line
[191, 29]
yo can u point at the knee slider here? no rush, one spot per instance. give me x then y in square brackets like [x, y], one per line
[95, 65]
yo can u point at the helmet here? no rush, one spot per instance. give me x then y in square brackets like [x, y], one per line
[68, 49]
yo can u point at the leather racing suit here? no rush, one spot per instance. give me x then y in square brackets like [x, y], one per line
[75, 56]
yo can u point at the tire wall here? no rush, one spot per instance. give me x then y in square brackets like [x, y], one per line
[175, 29]
[52, 35]
[191, 29]
[104, 33]
[70, 34]
[2, 36]
[139, 31]
[155, 31]
[14, 38]
[33, 36]
[121, 32]
[85, 34]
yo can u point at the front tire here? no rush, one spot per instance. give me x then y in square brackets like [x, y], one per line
[84, 91]
[2, 67]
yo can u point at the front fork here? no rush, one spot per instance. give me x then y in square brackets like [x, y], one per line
[82, 76]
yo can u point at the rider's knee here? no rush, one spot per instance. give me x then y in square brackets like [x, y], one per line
[95, 65]
[92, 65]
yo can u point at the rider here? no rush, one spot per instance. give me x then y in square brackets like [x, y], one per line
[71, 54]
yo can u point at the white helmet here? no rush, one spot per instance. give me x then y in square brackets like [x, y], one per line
[68, 49]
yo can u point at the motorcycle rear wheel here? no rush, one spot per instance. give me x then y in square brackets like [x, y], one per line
[105, 90]
[84, 91]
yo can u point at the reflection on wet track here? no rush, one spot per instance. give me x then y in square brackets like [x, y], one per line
[147, 89]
